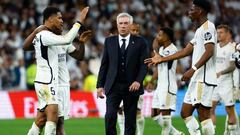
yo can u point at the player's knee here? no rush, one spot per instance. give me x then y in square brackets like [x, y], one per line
[40, 121]
[203, 112]
[52, 113]
[183, 115]
[212, 111]
[53, 109]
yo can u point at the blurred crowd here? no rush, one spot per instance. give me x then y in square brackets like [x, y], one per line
[18, 18]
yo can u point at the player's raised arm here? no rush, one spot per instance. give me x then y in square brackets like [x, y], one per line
[50, 38]
[79, 49]
[156, 59]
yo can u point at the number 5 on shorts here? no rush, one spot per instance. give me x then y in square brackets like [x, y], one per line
[52, 91]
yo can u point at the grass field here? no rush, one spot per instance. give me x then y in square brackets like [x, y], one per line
[93, 126]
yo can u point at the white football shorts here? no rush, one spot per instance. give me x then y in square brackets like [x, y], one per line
[199, 93]
[47, 94]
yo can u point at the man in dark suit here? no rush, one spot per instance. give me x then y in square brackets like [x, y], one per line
[121, 74]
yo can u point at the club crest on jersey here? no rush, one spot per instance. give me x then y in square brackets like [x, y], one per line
[207, 36]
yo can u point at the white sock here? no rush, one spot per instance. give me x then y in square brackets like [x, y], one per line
[166, 124]
[121, 123]
[174, 131]
[237, 123]
[34, 130]
[232, 129]
[226, 126]
[158, 119]
[207, 127]
[140, 124]
[192, 125]
[50, 128]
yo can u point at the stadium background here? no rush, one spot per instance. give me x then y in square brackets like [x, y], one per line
[18, 18]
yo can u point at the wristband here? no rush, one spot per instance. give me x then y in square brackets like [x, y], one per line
[194, 67]
[79, 23]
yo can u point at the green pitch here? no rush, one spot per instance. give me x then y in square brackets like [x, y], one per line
[93, 126]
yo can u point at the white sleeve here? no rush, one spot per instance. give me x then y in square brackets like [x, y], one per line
[193, 41]
[209, 35]
[232, 54]
[71, 48]
[48, 38]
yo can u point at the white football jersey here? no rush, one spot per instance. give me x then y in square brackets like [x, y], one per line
[63, 75]
[45, 44]
[225, 55]
[206, 33]
[167, 71]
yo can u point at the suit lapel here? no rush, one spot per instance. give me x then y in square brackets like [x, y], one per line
[129, 48]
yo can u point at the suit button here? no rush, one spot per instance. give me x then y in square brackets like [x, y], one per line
[123, 70]
[122, 57]
[122, 63]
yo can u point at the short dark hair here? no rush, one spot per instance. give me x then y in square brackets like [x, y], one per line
[224, 26]
[49, 11]
[169, 33]
[204, 4]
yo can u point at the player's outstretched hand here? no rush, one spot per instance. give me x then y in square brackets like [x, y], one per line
[134, 86]
[85, 36]
[100, 92]
[83, 14]
[156, 59]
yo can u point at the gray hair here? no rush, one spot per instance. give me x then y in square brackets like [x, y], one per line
[125, 15]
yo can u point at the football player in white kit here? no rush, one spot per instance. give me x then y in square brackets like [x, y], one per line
[225, 66]
[226, 48]
[47, 45]
[134, 30]
[202, 73]
[165, 95]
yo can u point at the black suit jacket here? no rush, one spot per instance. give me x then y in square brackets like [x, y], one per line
[135, 67]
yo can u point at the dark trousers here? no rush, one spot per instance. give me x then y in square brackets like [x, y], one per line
[119, 92]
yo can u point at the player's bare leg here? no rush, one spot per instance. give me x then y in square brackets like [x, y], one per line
[38, 124]
[60, 126]
[190, 121]
[212, 112]
[205, 119]
[52, 118]
[226, 131]
[232, 122]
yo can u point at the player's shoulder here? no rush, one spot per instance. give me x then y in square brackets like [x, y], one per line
[172, 48]
[208, 25]
[232, 46]
[44, 33]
